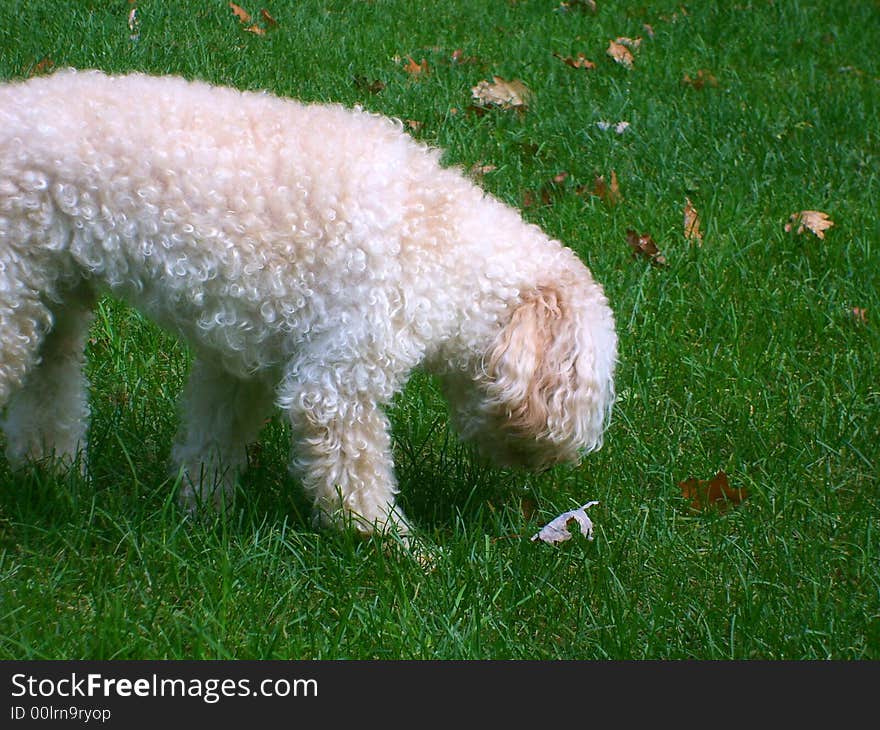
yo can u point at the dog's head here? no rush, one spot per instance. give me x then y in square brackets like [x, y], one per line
[544, 390]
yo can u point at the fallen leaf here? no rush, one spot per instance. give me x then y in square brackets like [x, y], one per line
[479, 169]
[643, 245]
[270, 21]
[255, 29]
[585, 6]
[860, 314]
[692, 223]
[579, 61]
[702, 79]
[243, 15]
[714, 492]
[370, 87]
[458, 57]
[414, 124]
[619, 127]
[44, 65]
[649, 29]
[607, 193]
[631, 43]
[416, 69]
[548, 191]
[556, 531]
[502, 93]
[620, 53]
[814, 221]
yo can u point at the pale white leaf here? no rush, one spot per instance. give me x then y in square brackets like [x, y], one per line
[556, 531]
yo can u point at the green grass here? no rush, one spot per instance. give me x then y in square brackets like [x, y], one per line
[741, 355]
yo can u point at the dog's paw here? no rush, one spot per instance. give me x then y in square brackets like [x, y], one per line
[204, 499]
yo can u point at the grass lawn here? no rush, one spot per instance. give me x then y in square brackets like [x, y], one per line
[755, 353]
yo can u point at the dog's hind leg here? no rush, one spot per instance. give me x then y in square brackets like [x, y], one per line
[47, 416]
[220, 415]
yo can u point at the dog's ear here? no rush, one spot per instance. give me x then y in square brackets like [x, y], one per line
[549, 371]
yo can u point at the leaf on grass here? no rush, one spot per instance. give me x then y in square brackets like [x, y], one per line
[619, 127]
[859, 314]
[631, 43]
[608, 193]
[244, 19]
[243, 15]
[414, 124]
[585, 6]
[702, 79]
[643, 245]
[714, 492]
[458, 57]
[814, 221]
[44, 65]
[548, 191]
[620, 53]
[416, 69]
[502, 93]
[370, 87]
[556, 531]
[579, 61]
[479, 169]
[692, 223]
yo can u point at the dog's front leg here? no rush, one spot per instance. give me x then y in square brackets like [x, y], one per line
[342, 455]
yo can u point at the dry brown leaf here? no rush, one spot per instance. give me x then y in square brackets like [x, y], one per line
[714, 492]
[479, 169]
[579, 61]
[502, 93]
[270, 21]
[814, 221]
[459, 58]
[556, 531]
[414, 124]
[643, 245]
[44, 65]
[585, 6]
[703, 78]
[370, 87]
[859, 314]
[548, 191]
[255, 29]
[692, 223]
[243, 15]
[608, 193]
[416, 69]
[620, 53]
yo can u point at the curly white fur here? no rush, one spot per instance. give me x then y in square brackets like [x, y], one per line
[311, 256]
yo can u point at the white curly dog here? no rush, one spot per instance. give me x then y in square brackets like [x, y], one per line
[311, 256]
